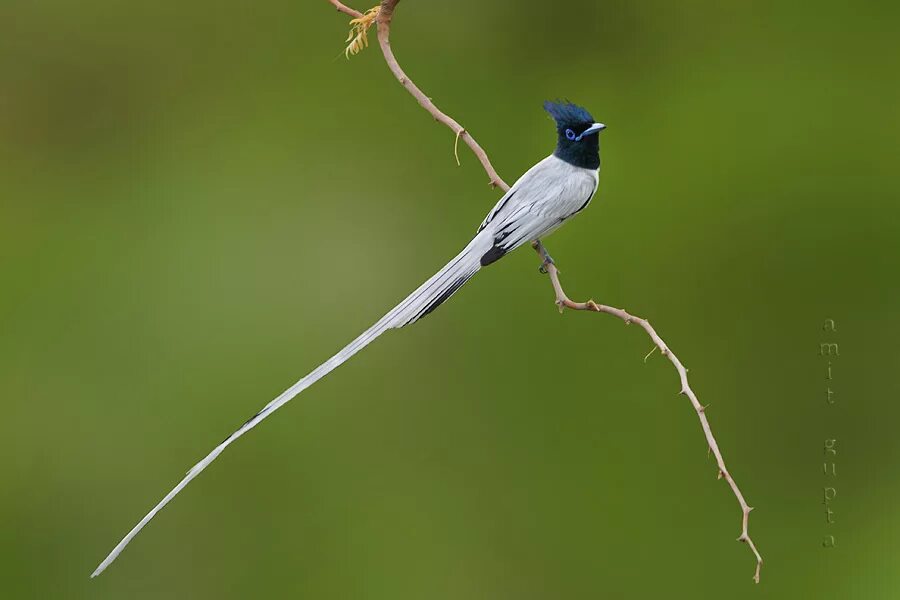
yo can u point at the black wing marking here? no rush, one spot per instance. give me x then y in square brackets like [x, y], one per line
[493, 255]
[586, 202]
[499, 249]
[495, 210]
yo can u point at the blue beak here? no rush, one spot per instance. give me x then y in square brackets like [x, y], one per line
[592, 129]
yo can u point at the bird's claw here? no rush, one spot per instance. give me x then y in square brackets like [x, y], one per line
[548, 260]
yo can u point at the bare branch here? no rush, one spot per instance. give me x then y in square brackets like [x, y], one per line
[563, 301]
[384, 34]
[385, 15]
[346, 9]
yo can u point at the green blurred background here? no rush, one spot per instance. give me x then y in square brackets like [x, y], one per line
[201, 201]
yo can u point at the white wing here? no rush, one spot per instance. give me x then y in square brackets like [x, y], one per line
[545, 196]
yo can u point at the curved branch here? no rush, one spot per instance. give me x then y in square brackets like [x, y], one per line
[385, 15]
[563, 301]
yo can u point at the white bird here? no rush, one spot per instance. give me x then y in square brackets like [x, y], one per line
[550, 192]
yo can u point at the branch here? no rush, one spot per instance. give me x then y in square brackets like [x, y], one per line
[383, 19]
[385, 14]
[346, 9]
[563, 301]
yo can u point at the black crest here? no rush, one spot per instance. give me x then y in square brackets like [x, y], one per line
[566, 114]
[571, 121]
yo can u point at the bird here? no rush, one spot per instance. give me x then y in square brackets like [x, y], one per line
[547, 195]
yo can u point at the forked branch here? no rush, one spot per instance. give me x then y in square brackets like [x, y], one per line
[383, 20]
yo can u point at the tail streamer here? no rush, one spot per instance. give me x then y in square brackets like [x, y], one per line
[417, 305]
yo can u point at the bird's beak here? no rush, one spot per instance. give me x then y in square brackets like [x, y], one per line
[592, 129]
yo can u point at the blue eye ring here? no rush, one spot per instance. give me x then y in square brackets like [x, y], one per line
[570, 134]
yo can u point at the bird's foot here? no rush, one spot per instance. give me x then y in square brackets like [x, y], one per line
[547, 259]
[547, 262]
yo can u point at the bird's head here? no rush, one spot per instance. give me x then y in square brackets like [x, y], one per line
[578, 141]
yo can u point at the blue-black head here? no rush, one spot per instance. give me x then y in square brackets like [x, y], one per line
[578, 141]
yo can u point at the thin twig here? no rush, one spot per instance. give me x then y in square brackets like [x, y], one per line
[385, 16]
[563, 301]
[346, 9]
[384, 34]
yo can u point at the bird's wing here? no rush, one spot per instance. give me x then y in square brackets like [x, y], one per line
[501, 204]
[539, 202]
[514, 199]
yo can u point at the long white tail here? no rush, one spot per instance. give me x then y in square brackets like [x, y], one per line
[418, 304]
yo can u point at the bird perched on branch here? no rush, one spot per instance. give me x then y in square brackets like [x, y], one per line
[549, 193]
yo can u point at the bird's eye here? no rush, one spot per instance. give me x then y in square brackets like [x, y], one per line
[570, 134]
